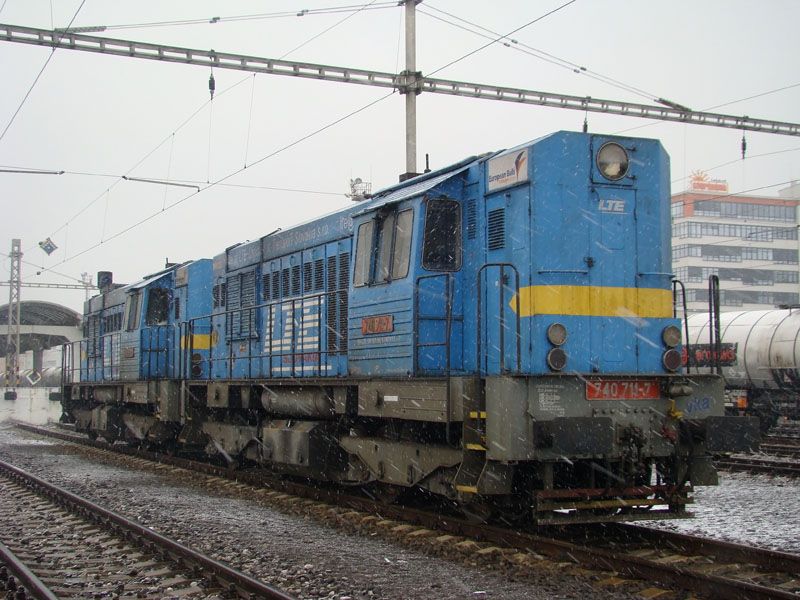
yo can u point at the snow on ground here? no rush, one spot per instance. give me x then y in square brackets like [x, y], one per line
[759, 510]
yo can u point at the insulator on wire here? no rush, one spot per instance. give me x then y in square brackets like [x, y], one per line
[744, 146]
[212, 85]
[585, 125]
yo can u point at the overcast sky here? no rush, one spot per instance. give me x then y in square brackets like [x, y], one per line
[100, 117]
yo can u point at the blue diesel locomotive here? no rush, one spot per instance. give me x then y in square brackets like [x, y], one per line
[499, 333]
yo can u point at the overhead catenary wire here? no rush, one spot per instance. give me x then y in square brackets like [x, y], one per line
[212, 89]
[248, 17]
[501, 37]
[120, 178]
[38, 75]
[518, 46]
[229, 175]
[327, 29]
[196, 182]
[735, 161]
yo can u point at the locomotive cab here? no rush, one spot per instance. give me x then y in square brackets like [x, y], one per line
[134, 356]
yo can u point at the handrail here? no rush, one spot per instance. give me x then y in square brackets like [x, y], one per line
[675, 283]
[273, 308]
[714, 322]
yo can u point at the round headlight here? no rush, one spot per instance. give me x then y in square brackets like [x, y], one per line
[557, 334]
[612, 160]
[556, 359]
[672, 360]
[671, 336]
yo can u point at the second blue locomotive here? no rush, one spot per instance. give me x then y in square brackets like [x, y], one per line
[499, 332]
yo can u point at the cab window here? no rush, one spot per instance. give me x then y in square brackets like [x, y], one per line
[387, 239]
[363, 253]
[132, 312]
[442, 244]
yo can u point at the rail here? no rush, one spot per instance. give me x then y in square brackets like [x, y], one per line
[229, 578]
[677, 560]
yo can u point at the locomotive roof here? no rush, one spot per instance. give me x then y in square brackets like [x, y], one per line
[396, 194]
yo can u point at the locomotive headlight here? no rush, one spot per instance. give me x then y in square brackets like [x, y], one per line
[557, 334]
[671, 360]
[671, 336]
[612, 160]
[556, 359]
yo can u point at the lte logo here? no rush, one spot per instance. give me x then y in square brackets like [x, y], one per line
[611, 205]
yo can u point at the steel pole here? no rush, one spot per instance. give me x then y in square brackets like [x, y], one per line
[12, 338]
[411, 90]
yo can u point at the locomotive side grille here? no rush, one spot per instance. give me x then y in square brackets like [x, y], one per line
[234, 301]
[308, 282]
[330, 316]
[472, 220]
[248, 300]
[285, 282]
[94, 335]
[216, 295]
[296, 280]
[266, 280]
[319, 279]
[497, 229]
[276, 285]
[336, 303]
[331, 274]
[344, 279]
[344, 269]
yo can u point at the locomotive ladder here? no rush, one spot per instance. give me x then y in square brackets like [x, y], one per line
[473, 443]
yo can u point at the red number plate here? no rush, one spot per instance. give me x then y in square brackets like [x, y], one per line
[622, 389]
[377, 324]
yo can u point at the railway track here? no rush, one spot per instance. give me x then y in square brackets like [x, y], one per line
[757, 464]
[59, 545]
[781, 445]
[680, 562]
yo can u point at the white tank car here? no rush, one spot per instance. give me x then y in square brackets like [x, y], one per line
[760, 354]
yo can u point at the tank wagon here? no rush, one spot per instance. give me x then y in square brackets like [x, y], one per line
[759, 357]
[499, 333]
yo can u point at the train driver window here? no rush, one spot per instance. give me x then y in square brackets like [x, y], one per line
[442, 245]
[394, 246]
[391, 248]
[157, 306]
[363, 253]
[402, 244]
[132, 312]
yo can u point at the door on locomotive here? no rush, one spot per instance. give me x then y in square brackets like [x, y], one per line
[155, 339]
[506, 253]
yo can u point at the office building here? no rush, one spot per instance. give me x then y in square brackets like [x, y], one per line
[749, 242]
